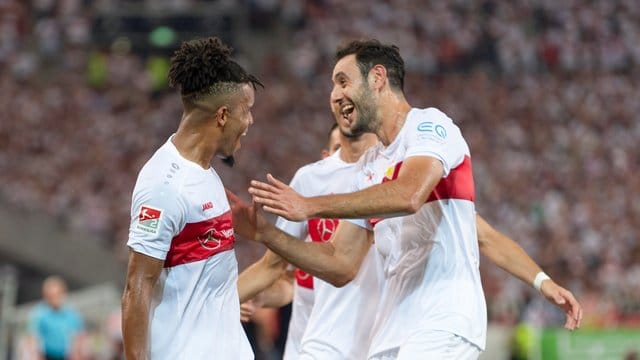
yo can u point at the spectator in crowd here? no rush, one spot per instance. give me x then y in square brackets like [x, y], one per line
[55, 327]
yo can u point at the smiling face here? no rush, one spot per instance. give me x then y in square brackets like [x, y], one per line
[238, 120]
[352, 99]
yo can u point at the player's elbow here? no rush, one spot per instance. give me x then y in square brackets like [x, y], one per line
[343, 277]
[413, 203]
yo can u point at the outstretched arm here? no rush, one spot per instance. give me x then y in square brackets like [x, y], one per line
[336, 261]
[404, 195]
[260, 275]
[279, 294]
[509, 256]
[142, 274]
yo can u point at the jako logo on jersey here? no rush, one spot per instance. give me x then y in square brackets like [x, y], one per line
[427, 126]
[206, 206]
[149, 219]
[212, 238]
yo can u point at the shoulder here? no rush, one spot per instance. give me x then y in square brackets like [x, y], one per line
[424, 119]
[430, 123]
[164, 167]
[314, 170]
[39, 310]
[163, 175]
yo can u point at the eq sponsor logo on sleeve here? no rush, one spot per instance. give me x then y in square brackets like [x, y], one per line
[429, 130]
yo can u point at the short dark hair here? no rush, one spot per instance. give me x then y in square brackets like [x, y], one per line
[203, 66]
[370, 53]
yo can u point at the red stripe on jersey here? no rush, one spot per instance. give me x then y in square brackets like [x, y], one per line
[303, 279]
[320, 230]
[201, 240]
[458, 185]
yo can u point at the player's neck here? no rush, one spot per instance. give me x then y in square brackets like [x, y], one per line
[352, 148]
[394, 114]
[195, 144]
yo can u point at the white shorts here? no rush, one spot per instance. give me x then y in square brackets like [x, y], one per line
[432, 344]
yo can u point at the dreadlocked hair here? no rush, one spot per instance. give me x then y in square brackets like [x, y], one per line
[203, 66]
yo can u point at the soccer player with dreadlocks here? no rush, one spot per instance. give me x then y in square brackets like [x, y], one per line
[180, 299]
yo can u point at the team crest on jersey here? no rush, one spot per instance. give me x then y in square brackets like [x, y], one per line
[322, 229]
[392, 172]
[149, 219]
[212, 238]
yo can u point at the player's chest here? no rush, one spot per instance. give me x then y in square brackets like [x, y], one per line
[382, 168]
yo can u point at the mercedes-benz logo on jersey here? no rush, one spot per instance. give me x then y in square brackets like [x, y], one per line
[326, 228]
[301, 275]
[209, 241]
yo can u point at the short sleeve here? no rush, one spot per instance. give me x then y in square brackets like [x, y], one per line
[157, 215]
[431, 133]
[363, 223]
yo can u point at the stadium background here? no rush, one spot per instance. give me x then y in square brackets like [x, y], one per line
[546, 93]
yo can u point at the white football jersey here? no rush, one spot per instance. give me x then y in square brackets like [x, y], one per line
[180, 214]
[430, 258]
[341, 318]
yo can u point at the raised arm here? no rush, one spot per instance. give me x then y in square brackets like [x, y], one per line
[142, 274]
[260, 275]
[509, 256]
[280, 293]
[416, 180]
[336, 261]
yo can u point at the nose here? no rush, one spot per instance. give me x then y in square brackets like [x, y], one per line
[336, 95]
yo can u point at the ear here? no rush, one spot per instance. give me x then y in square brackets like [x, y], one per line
[377, 77]
[324, 153]
[222, 114]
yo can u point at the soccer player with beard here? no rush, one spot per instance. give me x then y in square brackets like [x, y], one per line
[180, 300]
[416, 189]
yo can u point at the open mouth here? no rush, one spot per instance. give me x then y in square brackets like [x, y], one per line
[346, 110]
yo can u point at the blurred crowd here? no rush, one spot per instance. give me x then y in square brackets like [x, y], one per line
[545, 92]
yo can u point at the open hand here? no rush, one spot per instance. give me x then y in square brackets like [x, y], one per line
[248, 220]
[564, 299]
[278, 198]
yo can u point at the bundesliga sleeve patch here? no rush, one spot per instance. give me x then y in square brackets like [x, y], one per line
[149, 219]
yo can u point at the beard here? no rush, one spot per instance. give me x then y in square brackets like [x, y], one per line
[367, 121]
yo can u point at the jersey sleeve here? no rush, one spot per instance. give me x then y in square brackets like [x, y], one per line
[432, 133]
[363, 223]
[157, 215]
